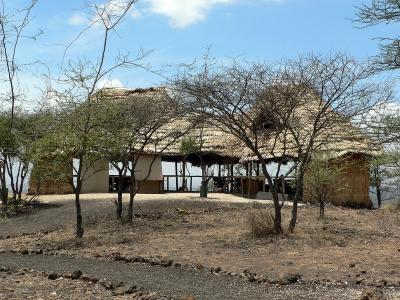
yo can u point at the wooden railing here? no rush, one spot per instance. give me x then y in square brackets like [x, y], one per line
[227, 184]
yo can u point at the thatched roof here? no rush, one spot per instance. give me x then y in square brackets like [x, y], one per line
[341, 139]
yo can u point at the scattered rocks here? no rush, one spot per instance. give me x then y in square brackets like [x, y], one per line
[372, 294]
[352, 265]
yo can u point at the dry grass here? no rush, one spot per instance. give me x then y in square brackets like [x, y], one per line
[261, 222]
[393, 206]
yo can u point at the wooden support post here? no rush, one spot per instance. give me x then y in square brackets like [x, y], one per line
[219, 171]
[167, 183]
[232, 180]
[248, 187]
[258, 169]
[242, 185]
[176, 176]
[191, 183]
[184, 185]
[264, 184]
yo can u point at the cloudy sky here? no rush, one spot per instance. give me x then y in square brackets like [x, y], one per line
[179, 31]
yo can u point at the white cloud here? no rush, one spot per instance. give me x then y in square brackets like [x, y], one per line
[77, 19]
[182, 13]
[110, 11]
[110, 83]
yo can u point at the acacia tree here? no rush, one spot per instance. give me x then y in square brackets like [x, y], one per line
[194, 144]
[383, 12]
[137, 123]
[284, 112]
[28, 127]
[13, 25]
[154, 124]
[226, 97]
[323, 174]
[340, 92]
[79, 134]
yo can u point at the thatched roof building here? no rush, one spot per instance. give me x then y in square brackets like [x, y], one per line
[341, 139]
[180, 138]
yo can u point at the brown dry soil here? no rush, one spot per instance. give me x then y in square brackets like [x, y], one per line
[350, 245]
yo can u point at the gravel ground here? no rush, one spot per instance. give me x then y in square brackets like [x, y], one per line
[33, 285]
[179, 282]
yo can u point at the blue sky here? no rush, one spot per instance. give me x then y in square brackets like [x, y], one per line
[180, 30]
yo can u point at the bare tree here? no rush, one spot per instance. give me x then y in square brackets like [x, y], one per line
[137, 123]
[13, 24]
[76, 95]
[284, 112]
[340, 92]
[226, 97]
[155, 128]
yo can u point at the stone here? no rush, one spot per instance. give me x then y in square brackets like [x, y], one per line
[107, 284]
[24, 252]
[52, 276]
[289, 279]
[217, 269]
[166, 262]
[4, 269]
[124, 290]
[381, 283]
[372, 294]
[76, 274]
[359, 280]
[199, 266]
[352, 265]
[154, 262]
[250, 278]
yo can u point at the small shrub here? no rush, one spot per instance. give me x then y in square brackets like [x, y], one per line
[392, 206]
[261, 222]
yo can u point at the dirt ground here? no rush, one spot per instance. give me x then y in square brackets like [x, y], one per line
[29, 284]
[353, 246]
